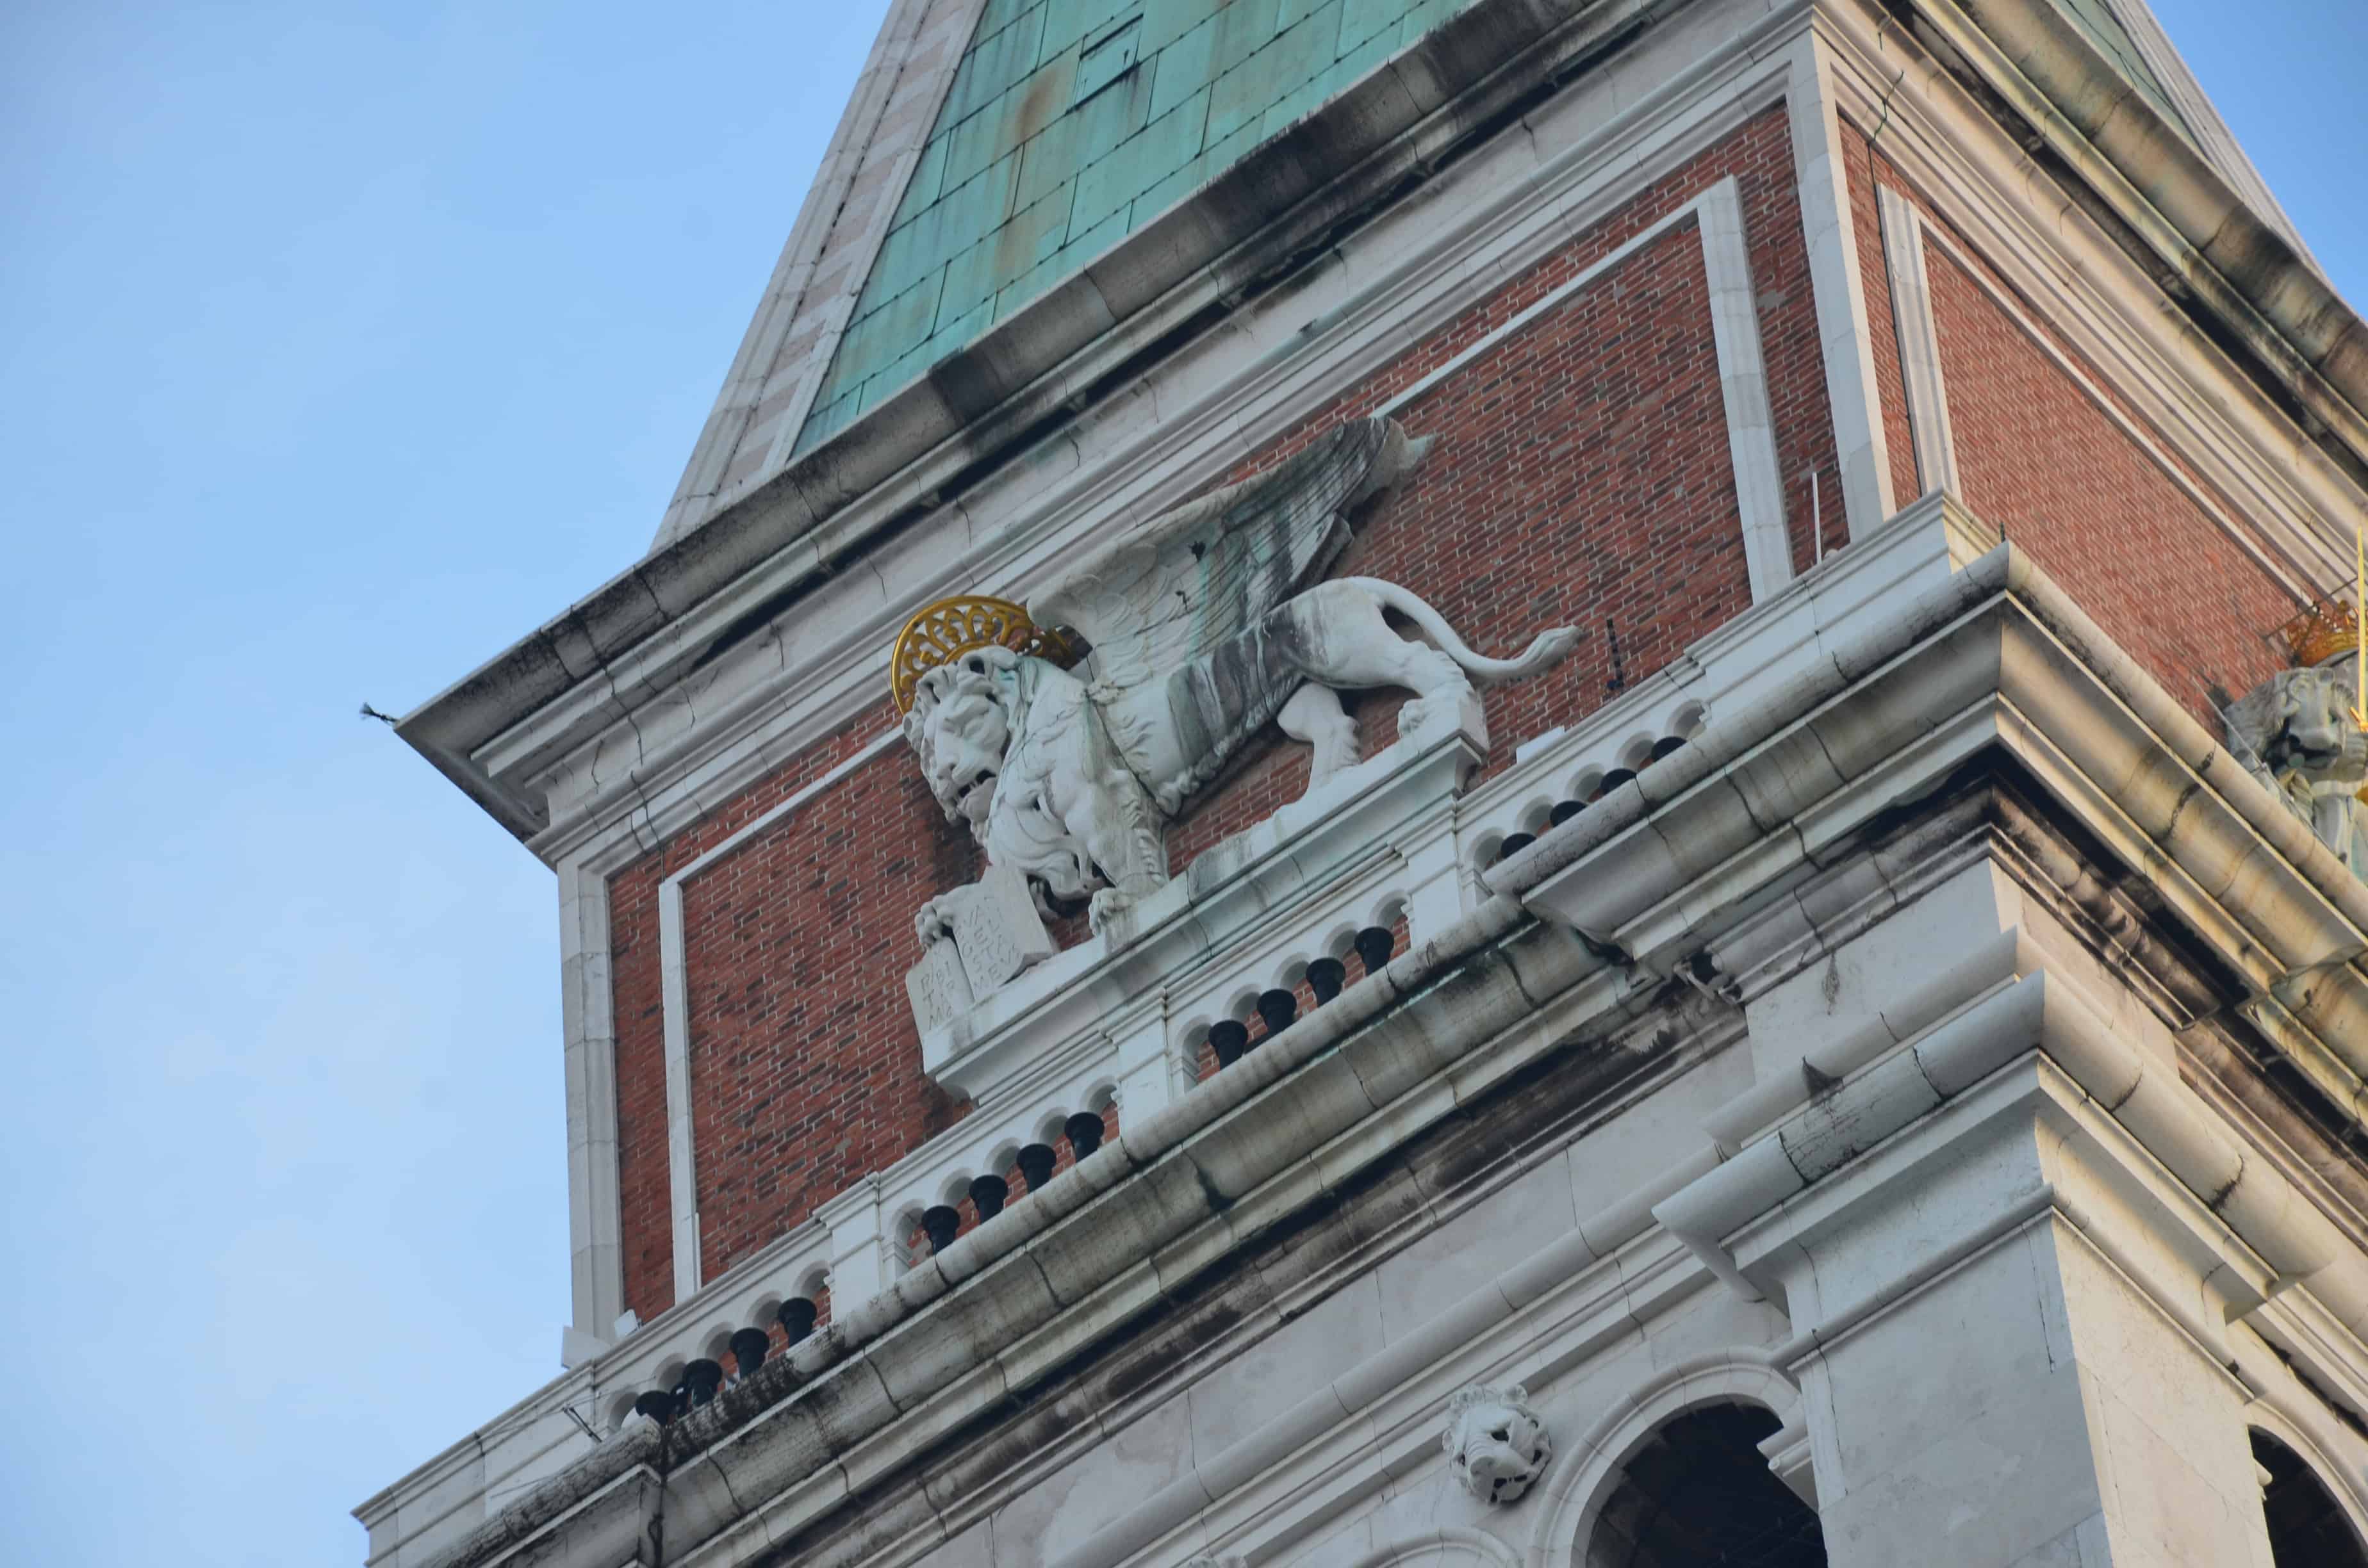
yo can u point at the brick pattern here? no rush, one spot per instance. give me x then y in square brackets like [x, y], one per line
[2041, 455]
[1584, 474]
[806, 1072]
[2039, 458]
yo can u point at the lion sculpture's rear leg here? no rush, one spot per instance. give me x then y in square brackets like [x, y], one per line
[1313, 714]
[1361, 649]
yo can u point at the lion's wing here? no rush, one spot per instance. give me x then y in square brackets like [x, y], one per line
[1199, 574]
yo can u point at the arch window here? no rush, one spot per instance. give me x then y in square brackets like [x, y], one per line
[2307, 1528]
[1700, 1493]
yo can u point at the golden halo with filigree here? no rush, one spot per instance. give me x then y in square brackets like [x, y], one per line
[950, 628]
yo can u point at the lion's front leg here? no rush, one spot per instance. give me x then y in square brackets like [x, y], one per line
[1122, 836]
[1136, 866]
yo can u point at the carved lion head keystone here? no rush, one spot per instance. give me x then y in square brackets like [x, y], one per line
[1497, 1445]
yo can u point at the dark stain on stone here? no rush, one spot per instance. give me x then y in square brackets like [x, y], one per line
[1158, 1356]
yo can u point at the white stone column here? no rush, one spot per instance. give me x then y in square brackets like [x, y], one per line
[2005, 1236]
[1919, 342]
[1841, 293]
[1436, 889]
[596, 1258]
[2028, 1403]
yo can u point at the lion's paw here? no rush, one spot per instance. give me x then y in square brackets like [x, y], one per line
[1440, 708]
[1107, 905]
[933, 922]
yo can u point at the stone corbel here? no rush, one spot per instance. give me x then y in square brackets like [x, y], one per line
[2120, 1124]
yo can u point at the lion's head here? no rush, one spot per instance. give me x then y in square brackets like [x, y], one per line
[2298, 725]
[1496, 1444]
[959, 726]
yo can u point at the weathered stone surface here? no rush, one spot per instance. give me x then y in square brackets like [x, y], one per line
[1497, 1445]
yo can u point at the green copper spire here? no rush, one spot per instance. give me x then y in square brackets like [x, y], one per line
[1071, 123]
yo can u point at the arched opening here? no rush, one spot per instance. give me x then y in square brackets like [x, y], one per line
[1700, 1493]
[2307, 1528]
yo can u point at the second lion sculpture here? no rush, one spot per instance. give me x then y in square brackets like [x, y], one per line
[1203, 628]
[2295, 732]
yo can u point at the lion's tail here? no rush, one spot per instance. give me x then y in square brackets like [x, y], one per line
[1545, 650]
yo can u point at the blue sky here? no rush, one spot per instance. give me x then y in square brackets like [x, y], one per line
[343, 345]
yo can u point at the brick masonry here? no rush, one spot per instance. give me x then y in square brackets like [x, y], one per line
[2039, 454]
[1582, 475]
[806, 1072]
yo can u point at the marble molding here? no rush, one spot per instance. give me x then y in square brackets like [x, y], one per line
[1559, 1302]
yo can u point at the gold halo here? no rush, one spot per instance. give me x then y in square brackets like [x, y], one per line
[950, 628]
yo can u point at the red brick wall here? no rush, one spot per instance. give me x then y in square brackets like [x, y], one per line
[2041, 454]
[1583, 472]
[805, 1070]
[2040, 458]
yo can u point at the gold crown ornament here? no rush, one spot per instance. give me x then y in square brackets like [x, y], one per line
[2321, 631]
[950, 628]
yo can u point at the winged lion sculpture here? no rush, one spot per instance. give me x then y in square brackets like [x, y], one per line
[1204, 625]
